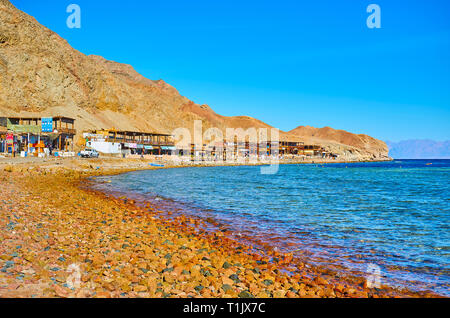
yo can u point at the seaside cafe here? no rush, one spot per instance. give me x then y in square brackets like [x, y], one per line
[129, 142]
[35, 135]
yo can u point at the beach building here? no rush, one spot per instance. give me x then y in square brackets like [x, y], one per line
[149, 143]
[311, 150]
[38, 136]
[234, 150]
[291, 147]
[3, 137]
[129, 142]
[300, 149]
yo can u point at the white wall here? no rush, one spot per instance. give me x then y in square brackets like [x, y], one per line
[106, 147]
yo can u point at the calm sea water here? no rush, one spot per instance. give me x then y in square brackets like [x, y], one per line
[395, 215]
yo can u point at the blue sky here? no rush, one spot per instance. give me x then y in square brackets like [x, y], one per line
[288, 63]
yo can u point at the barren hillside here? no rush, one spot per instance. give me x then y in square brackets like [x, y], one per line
[343, 142]
[42, 75]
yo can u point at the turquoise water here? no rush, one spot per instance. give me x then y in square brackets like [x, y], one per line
[394, 215]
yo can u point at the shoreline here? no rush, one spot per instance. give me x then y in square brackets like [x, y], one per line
[301, 252]
[150, 271]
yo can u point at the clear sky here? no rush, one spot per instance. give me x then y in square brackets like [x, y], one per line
[288, 63]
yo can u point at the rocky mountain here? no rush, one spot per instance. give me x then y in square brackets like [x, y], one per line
[419, 149]
[42, 75]
[348, 145]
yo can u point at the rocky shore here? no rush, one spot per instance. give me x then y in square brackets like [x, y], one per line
[60, 239]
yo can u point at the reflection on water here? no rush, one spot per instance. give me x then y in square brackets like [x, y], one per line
[393, 214]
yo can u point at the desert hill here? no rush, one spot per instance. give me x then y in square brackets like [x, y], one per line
[42, 75]
[343, 142]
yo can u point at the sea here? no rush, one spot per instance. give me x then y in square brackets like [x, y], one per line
[391, 218]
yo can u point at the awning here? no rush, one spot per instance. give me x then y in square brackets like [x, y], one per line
[148, 147]
[130, 145]
[168, 148]
[25, 129]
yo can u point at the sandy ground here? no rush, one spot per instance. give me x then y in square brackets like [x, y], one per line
[60, 239]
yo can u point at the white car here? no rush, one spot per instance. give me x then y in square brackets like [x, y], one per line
[89, 153]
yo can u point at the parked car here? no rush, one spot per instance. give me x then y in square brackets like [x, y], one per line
[89, 153]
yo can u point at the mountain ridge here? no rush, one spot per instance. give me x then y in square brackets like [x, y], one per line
[42, 75]
[341, 141]
[419, 149]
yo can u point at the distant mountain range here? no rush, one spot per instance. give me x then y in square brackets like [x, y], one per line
[419, 149]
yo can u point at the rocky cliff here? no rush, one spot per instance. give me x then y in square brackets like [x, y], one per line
[42, 75]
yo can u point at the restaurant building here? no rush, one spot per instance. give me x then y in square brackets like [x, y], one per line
[233, 150]
[36, 135]
[129, 142]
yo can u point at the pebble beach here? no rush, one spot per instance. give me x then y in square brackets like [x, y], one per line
[62, 239]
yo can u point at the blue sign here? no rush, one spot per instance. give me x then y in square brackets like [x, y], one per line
[47, 124]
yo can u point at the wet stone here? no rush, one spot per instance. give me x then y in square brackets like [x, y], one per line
[245, 294]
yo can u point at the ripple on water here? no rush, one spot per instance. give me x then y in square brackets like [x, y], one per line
[351, 214]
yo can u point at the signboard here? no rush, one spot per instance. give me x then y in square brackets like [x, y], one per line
[23, 129]
[9, 138]
[94, 136]
[47, 124]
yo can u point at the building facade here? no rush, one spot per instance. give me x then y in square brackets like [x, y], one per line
[36, 135]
